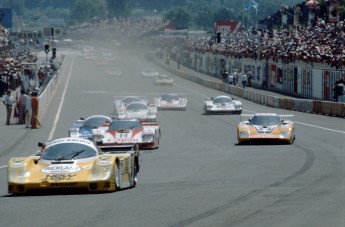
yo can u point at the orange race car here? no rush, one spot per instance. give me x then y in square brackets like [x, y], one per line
[266, 127]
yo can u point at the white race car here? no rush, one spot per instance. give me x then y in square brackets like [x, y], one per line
[138, 110]
[115, 72]
[149, 73]
[120, 104]
[171, 101]
[222, 104]
[163, 80]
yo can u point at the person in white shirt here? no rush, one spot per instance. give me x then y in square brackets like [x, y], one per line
[244, 80]
[8, 102]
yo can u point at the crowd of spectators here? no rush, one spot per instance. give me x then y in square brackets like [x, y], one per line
[128, 27]
[323, 43]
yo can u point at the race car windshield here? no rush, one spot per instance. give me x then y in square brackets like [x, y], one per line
[130, 100]
[135, 107]
[94, 122]
[221, 100]
[265, 120]
[124, 125]
[170, 97]
[68, 151]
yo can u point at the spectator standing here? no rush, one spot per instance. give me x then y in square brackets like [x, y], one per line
[34, 108]
[25, 80]
[22, 107]
[339, 91]
[244, 80]
[8, 102]
[250, 77]
[235, 78]
[28, 110]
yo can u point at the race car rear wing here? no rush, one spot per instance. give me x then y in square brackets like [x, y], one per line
[285, 117]
[120, 149]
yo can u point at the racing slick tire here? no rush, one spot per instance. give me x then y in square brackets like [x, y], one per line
[117, 175]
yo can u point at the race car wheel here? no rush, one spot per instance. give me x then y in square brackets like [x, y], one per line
[205, 111]
[117, 175]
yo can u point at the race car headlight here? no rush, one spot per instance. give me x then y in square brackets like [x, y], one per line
[238, 107]
[148, 138]
[17, 175]
[244, 135]
[285, 134]
[97, 138]
[101, 170]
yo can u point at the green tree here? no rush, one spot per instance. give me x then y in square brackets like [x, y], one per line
[87, 9]
[118, 8]
[179, 17]
[204, 18]
[224, 14]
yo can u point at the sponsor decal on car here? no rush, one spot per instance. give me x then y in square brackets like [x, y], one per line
[61, 169]
[59, 177]
[17, 160]
[17, 165]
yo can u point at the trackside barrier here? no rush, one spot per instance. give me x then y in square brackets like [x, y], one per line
[317, 106]
[245, 94]
[275, 102]
[48, 92]
[270, 101]
[283, 103]
[263, 99]
[338, 109]
[256, 98]
[327, 108]
[302, 105]
[221, 86]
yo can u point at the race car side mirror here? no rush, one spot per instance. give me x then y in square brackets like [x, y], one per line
[40, 144]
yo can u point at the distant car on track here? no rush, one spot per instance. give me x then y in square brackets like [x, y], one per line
[222, 104]
[138, 110]
[115, 72]
[74, 163]
[163, 80]
[265, 127]
[149, 73]
[121, 103]
[171, 101]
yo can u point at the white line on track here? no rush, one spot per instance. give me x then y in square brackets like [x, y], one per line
[57, 116]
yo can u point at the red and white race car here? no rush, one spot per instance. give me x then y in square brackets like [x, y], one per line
[120, 132]
[151, 135]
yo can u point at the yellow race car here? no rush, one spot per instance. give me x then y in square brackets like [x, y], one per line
[266, 127]
[74, 163]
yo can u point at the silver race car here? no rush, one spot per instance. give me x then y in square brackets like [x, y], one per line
[171, 101]
[149, 73]
[83, 128]
[121, 103]
[222, 104]
[140, 111]
[163, 80]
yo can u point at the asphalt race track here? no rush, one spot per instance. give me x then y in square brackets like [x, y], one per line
[198, 176]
